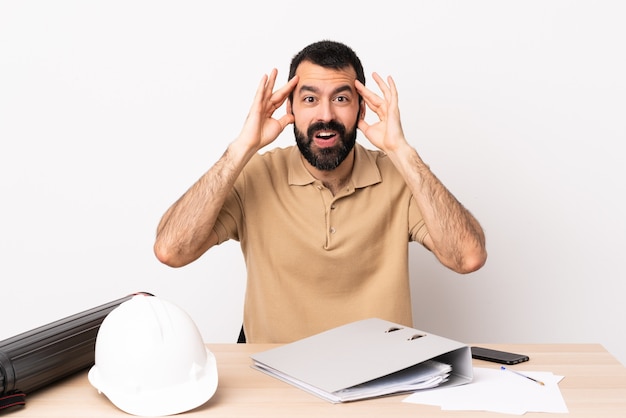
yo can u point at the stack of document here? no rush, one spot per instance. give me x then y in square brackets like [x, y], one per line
[426, 375]
[367, 359]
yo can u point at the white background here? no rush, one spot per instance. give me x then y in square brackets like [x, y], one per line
[109, 110]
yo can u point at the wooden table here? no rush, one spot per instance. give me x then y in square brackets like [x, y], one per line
[594, 386]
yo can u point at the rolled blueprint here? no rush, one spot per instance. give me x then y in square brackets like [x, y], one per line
[41, 356]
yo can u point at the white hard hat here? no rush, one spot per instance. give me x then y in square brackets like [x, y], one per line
[150, 359]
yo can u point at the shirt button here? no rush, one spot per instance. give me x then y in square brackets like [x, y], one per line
[333, 207]
[332, 230]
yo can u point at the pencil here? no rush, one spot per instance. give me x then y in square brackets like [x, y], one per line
[523, 375]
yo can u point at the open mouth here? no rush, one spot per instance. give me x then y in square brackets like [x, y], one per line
[326, 139]
[325, 135]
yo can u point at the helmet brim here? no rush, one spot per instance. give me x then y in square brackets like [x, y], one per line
[168, 401]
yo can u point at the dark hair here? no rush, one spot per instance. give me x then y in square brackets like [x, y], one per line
[328, 54]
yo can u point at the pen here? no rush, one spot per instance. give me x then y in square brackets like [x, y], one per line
[523, 375]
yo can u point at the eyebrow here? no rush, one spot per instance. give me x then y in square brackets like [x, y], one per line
[313, 89]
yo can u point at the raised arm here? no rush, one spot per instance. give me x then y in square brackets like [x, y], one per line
[454, 235]
[185, 231]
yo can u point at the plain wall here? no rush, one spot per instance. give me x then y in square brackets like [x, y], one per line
[110, 110]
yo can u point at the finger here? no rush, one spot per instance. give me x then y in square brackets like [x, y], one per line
[259, 97]
[372, 100]
[364, 91]
[280, 95]
[260, 90]
[285, 90]
[269, 85]
[375, 102]
[363, 125]
[393, 89]
[287, 119]
[390, 92]
[387, 93]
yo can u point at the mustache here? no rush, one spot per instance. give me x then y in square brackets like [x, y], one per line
[332, 125]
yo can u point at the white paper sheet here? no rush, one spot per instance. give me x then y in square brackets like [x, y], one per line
[498, 391]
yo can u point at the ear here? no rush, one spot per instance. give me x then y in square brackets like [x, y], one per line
[362, 107]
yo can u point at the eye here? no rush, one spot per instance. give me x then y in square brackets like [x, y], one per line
[342, 99]
[308, 99]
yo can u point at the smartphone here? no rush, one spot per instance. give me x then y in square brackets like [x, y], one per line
[497, 356]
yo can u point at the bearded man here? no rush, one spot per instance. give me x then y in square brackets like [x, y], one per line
[324, 226]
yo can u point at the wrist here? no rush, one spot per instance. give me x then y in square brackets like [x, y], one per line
[241, 150]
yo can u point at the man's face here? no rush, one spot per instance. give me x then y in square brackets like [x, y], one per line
[326, 110]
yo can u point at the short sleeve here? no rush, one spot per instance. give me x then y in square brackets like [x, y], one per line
[417, 227]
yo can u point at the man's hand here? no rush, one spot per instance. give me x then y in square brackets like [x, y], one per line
[387, 133]
[260, 127]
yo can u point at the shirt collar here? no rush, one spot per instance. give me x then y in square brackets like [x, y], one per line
[365, 171]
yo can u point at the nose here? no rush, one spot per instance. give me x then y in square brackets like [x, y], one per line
[325, 111]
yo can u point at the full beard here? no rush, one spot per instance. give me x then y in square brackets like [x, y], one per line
[325, 159]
